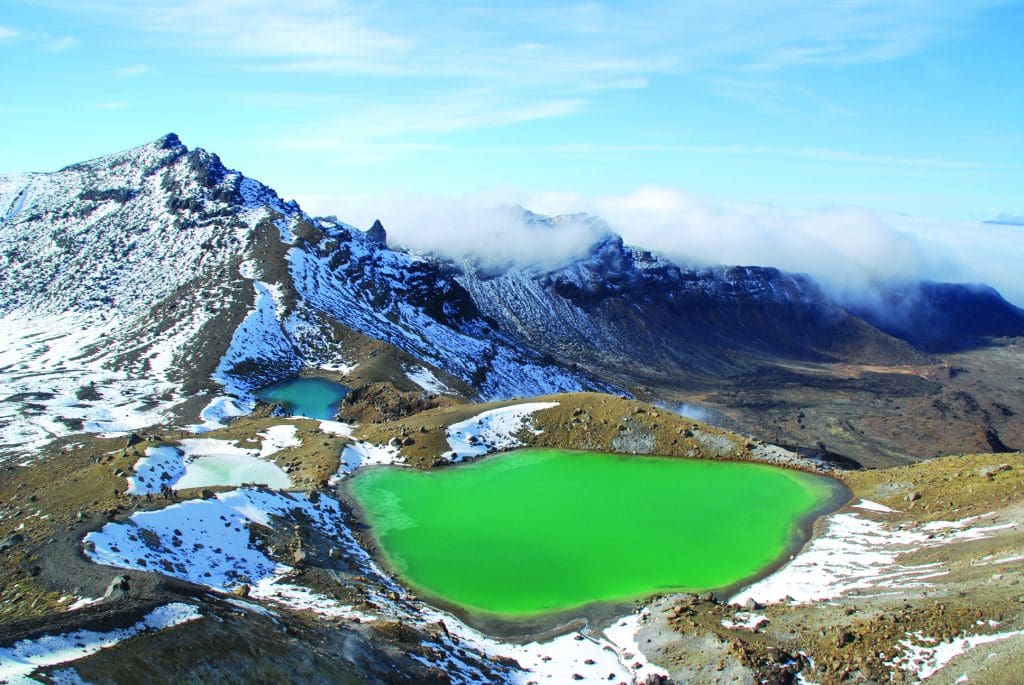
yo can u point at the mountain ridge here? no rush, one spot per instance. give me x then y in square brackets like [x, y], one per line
[159, 266]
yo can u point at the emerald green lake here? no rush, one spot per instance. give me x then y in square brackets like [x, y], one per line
[536, 532]
[314, 398]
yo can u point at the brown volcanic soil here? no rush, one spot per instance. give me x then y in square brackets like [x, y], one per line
[843, 637]
[879, 416]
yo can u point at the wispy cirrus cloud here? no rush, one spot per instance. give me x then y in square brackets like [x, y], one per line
[7, 32]
[769, 151]
[388, 130]
[534, 41]
[60, 44]
[405, 78]
[132, 70]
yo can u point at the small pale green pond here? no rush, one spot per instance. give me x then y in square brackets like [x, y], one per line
[536, 532]
[313, 398]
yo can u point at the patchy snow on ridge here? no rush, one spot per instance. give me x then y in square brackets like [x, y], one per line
[277, 438]
[423, 377]
[493, 430]
[857, 553]
[360, 454]
[208, 541]
[56, 379]
[111, 268]
[18, 661]
[925, 656]
[372, 290]
[150, 470]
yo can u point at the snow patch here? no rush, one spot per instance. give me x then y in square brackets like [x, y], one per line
[337, 428]
[857, 553]
[18, 661]
[744, 620]
[868, 505]
[277, 438]
[360, 454]
[493, 430]
[219, 411]
[150, 470]
[925, 656]
[423, 377]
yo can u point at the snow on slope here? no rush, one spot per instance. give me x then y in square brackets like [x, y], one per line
[140, 279]
[56, 378]
[378, 291]
[208, 542]
[861, 554]
[18, 661]
[491, 430]
[108, 270]
[423, 377]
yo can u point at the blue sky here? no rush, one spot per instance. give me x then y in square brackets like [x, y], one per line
[910, 107]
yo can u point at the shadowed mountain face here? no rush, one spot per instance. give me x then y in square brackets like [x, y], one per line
[622, 308]
[945, 317]
[150, 279]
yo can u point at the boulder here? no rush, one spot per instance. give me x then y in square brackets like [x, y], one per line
[989, 471]
[11, 541]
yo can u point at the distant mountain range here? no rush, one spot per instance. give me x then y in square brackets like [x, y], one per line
[155, 284]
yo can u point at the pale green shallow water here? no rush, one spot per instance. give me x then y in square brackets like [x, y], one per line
[537, 532]
[314, 398]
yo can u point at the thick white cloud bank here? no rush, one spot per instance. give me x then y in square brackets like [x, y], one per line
[846, 249]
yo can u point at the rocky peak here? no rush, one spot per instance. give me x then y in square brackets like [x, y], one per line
[169, 142]
[377, 234]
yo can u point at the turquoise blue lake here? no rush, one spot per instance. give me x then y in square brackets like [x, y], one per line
[313, 398]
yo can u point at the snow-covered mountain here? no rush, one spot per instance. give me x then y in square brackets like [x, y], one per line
[157, 285]
[621, 307]
[143, 279]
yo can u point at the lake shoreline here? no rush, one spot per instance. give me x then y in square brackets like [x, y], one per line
[593, 616]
